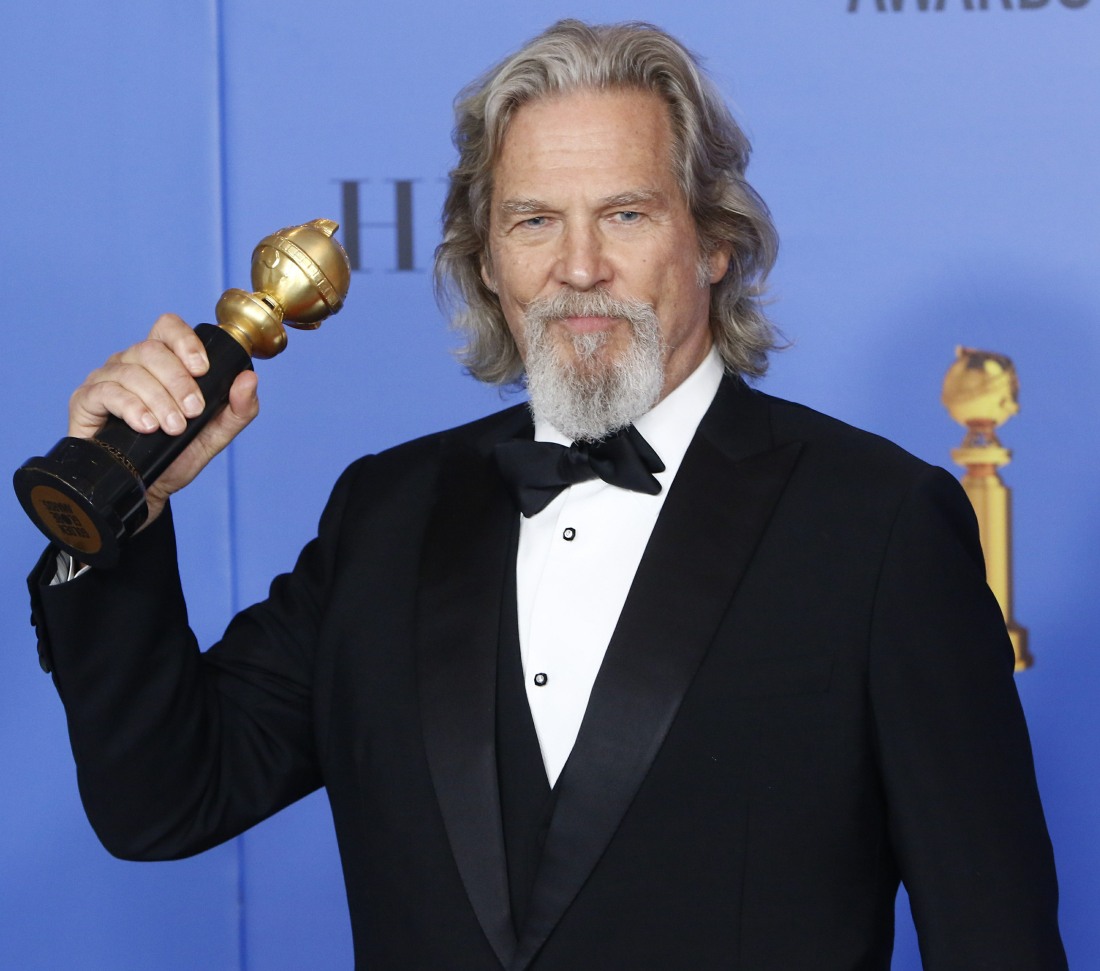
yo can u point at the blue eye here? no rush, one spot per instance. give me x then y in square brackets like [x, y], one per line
[629, 216]
[535, 221]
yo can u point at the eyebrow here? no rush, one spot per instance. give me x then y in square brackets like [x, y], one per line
[525, 206]
[522, 207]
[633, 197]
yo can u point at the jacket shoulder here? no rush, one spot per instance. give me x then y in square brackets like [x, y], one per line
[836, 444]
[848, 473]
[418, 461]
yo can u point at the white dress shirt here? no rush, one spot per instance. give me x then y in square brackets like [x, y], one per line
[576, 561]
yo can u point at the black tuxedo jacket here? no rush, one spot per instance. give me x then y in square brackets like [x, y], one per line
[808, 696]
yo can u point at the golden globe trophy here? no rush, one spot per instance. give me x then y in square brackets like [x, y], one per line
[88, 495]
[981, 391]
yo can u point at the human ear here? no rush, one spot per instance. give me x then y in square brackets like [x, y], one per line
[718, 261]
[486, 274]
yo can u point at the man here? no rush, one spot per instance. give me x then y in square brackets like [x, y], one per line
[704, 714]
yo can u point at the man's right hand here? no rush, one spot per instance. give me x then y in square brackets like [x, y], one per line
[152, 386]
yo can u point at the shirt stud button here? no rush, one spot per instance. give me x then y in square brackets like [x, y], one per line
[569, 534]
[541, 679]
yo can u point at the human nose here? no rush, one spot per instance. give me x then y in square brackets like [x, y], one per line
[582, 263]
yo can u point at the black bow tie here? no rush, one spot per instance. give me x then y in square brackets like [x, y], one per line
[536, 472]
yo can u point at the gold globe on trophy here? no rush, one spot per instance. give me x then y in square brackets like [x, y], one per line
[87, 495]
[981, 392]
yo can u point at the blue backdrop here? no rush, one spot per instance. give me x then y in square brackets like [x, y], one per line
[931, 168]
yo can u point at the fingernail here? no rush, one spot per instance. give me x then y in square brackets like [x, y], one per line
[192, 405]
[148, 422]
[174, 423]
[196, 363]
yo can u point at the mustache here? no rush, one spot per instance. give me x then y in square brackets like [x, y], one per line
[589, 303]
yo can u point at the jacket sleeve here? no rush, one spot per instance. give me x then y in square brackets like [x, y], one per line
[965, 817]
[178, 750]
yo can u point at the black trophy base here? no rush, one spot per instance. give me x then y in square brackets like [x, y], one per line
[83, 498]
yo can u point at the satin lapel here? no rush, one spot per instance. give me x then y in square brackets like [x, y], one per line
[459, 610]
[710, 525]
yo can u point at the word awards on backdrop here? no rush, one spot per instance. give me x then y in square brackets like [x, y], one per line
[900, 6]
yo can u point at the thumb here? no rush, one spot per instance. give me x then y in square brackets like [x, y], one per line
[244, 403]
[242, 407]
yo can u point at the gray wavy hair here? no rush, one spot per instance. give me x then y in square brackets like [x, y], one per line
[711, 155]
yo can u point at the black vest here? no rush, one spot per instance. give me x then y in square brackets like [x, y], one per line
[526, 799]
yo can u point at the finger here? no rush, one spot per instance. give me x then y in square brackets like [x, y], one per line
[150, 385]
[99, 398]
[244, 403]
[171, 330]
[147, 386]
[227, 424]
[242, 407]
[136, 394]
[169, 373]
[215, 435]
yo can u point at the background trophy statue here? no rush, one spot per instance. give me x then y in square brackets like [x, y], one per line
[88, 495]
[981, 391]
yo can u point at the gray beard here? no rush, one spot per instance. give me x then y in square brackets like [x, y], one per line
[592, 397]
